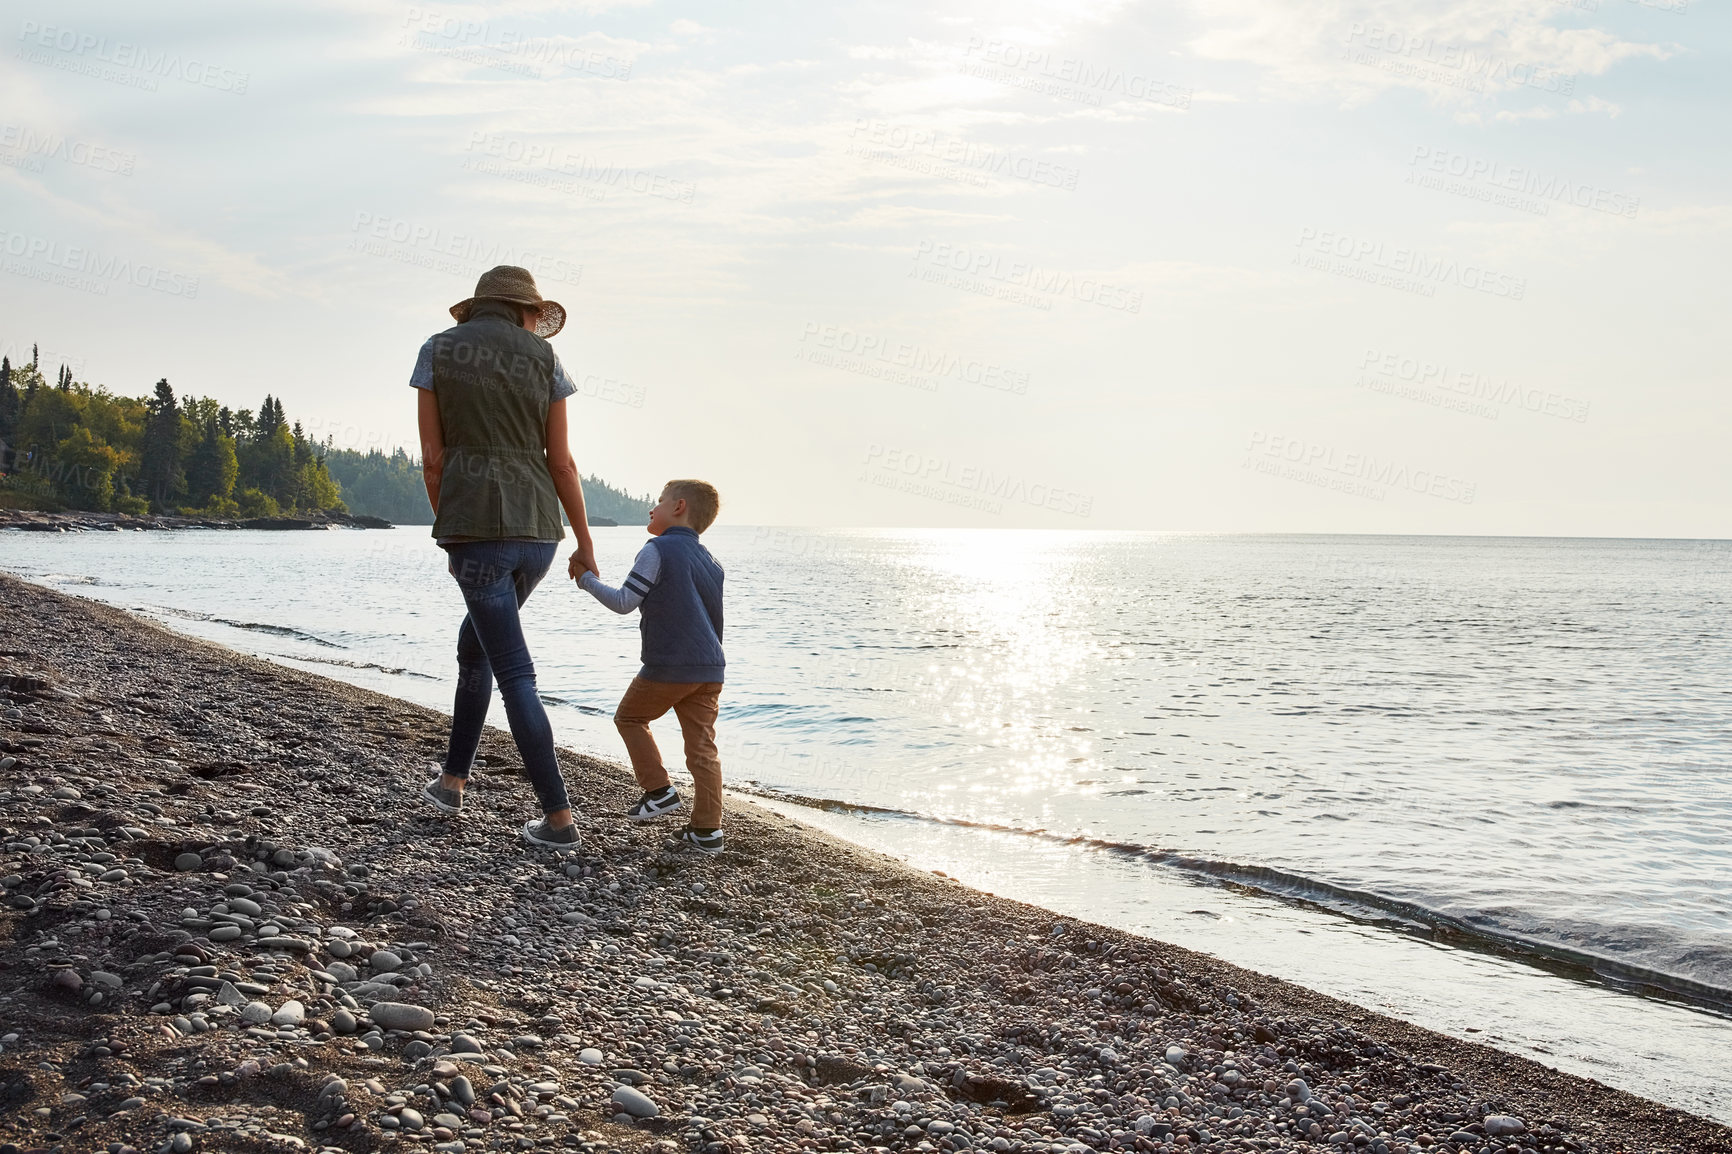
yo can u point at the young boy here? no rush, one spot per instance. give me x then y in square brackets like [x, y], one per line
[679, 586]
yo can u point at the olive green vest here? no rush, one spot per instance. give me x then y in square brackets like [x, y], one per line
[494, 382]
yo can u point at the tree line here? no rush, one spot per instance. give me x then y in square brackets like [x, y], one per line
[78, 446]
[389, 485]
[72, 445]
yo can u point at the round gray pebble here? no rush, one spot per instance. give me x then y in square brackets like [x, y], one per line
[635, 1102]
[402, 1016]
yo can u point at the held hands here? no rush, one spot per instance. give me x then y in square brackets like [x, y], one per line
[583, 558]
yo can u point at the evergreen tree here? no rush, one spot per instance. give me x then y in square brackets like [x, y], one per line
[160, 454]
[294, 494]
[211, 468]
[10, 406]
[226, 422]
[35, 356]
[267, 461]
[270, 419]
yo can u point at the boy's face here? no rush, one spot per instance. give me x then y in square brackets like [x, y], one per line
[668, 512]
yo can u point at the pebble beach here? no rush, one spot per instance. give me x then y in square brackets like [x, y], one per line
[231, 924]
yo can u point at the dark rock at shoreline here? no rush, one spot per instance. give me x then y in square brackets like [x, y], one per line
[30, 520]
[796, 993]
[279, 523]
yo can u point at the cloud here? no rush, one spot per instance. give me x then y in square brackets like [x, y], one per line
[1460, 54]
[118, 219]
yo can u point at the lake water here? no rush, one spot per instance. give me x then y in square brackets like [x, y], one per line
[1482, 784]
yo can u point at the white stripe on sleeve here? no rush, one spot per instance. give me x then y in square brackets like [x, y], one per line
[642, 578]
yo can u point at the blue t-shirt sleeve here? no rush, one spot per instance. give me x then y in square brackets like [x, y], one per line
[422, 377]
[562, 384]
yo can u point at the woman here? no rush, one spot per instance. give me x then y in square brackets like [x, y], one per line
[498, 469]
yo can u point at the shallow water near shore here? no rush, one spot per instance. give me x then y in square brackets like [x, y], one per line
[1214, 740]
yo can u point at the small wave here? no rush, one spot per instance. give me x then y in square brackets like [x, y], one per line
[591, 710]
[400, 672]
[249, 626]
[1359, 904]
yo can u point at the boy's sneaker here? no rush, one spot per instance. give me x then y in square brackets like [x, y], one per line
[705, 841]
[547, 837]
[653, 805]
[443, 799]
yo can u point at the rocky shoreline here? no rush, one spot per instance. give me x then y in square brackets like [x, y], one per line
[32, 520]
[230, 924]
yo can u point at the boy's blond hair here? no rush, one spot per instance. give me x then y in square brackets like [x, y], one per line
[702, 500]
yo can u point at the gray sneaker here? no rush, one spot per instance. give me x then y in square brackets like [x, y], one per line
[443, 799]
[541, 834]
[654, 805]
[705, 841]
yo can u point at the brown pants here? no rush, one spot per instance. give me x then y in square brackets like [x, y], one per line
[695, 705]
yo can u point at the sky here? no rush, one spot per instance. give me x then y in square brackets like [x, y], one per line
[1223, 266]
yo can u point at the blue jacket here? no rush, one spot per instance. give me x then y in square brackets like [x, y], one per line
[681, 619]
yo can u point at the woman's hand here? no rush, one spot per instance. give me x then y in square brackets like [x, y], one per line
[582, 559]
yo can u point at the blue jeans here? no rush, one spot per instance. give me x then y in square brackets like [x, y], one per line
[497, 577]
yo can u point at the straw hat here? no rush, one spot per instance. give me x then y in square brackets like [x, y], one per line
[509, 283]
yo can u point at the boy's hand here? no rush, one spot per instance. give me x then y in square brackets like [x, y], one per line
[581, 559]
